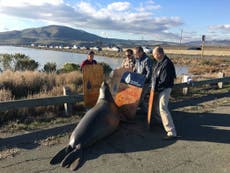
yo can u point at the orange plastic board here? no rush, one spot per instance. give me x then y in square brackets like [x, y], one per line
[92, 79]
[127, 99]
[116, 78]
[129, 93]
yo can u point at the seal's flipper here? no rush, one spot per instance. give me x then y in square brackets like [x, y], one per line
[76, 154]
[77, 163]
[61, 155]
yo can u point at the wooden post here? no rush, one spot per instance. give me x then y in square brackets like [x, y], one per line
[202, 49]
[186, 78]
[220, 84]
[67, 106]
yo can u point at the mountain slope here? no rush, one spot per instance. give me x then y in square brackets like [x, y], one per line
[47, 35]
[57, 35]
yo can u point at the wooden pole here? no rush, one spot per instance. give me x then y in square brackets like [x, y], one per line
[220, 84]
[203, 43]
[186, 89]
[67, 106]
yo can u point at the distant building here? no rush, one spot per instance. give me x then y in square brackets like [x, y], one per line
[114, 48]
[42, 46]
[75, 47]
[96, 48]
[67, 47]
[147, 50]
[84, 48]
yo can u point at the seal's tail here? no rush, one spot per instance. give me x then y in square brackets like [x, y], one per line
[73, 159]
[61, 155]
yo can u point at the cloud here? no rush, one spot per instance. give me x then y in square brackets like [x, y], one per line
[148, 5]
[23, 3]
[116, 16]
[224, 28]
[118, 6]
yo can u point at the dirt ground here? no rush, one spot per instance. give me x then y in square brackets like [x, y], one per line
[203, 125]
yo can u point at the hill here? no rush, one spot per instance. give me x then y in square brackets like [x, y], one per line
[63, 35]
[52, 34]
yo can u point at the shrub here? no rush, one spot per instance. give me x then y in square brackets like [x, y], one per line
[6, 61]
[26, 64]
[50, 67]
[18, 62]
[69, 67]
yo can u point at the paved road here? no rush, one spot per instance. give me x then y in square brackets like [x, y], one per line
[204, 146]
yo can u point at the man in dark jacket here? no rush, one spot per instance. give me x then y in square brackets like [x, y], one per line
[162, 82]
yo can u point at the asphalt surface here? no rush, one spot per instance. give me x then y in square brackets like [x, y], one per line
[204, 146]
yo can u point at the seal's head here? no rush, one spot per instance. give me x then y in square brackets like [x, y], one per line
[105, 93]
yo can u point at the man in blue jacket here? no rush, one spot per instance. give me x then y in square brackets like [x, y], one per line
[162, 82]
[144, 66]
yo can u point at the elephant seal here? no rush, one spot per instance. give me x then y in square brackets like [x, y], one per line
[100, 121]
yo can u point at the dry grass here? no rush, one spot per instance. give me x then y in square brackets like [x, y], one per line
[198, 52]
[34, 84]
[5, 153]
[5, 95]
[203, 66]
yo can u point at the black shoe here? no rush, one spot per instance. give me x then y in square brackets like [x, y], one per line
[170, 138]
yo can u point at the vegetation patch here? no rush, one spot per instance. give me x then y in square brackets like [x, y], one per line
[8, 152]
[52, 140]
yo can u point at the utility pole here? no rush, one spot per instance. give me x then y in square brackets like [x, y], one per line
[203, 43]
[181, 36]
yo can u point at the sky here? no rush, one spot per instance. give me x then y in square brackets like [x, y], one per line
[162, 20]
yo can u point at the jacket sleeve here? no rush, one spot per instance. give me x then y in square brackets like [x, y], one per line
[149, 69]
[82, 64]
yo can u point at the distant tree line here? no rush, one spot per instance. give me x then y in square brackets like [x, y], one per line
[21, 62]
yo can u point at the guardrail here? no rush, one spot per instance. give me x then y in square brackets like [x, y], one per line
[16, 104]
[203, 82]
[69, 99]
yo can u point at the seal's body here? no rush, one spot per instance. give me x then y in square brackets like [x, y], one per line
[100, 121]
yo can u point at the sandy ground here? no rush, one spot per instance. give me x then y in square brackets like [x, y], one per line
[204, 144]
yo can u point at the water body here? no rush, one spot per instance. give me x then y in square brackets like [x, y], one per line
[60, 58]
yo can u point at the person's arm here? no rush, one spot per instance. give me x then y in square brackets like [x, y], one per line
[123, 63]
[135, 67]
[82, 64]
[149, 69]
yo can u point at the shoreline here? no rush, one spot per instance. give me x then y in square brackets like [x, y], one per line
[212, 62]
